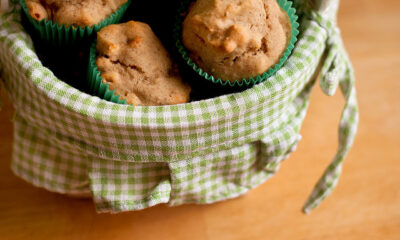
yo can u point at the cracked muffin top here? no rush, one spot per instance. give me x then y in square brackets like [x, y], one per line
[135, 64]
[236, 39]
[73, 12]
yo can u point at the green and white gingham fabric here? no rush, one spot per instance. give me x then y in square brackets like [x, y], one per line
[130, 158]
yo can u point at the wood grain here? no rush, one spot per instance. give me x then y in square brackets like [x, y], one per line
[365, 205]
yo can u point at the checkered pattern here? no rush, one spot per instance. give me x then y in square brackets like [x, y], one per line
[131, 158]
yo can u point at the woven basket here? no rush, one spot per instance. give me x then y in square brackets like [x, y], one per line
[130, 158]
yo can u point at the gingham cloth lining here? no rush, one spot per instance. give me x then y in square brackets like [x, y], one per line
[207, 151]
[176, 141]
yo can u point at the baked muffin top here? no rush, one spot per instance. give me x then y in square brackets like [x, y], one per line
[236, 39]
[135, 64]
[73, 12]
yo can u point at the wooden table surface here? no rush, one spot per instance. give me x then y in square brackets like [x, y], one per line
[365, 205]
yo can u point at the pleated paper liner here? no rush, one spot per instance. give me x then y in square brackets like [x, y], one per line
[96, 84]
[60, 35]
[246, 82]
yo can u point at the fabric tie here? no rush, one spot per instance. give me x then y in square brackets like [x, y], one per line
[336, 70]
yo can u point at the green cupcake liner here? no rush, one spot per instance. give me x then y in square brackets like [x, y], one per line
[61, 35]
[177, 33]
[96, 85]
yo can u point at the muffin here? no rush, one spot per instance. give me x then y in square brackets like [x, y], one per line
[73, 12]
[72, 22]
[234, 39]
[134, 63]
